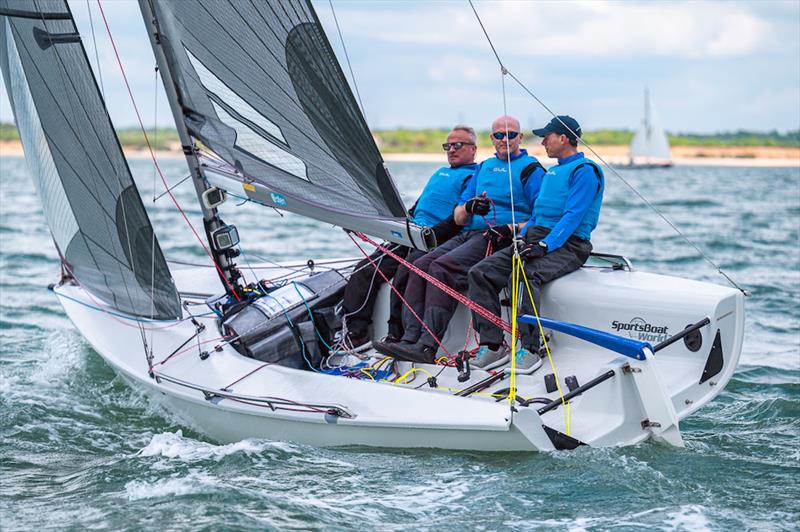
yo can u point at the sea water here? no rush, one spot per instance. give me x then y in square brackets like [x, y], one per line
[79, 449]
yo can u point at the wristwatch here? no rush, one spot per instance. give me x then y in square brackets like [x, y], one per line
[543, 245]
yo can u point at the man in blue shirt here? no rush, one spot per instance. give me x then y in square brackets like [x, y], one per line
[434, 209]
[554, 242]
[492, 204]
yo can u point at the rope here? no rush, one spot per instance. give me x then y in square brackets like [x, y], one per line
[395, 290]
[605, 163]
[464, 300]
[153, 156]
[566, 409]
[347, 58]
[96, 54]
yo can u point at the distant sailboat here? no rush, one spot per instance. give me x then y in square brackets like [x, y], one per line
[650, 147]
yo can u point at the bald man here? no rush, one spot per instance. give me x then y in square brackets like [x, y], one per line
[487, 209]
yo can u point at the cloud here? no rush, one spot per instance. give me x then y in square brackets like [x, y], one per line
[686, 29]
[454, 69]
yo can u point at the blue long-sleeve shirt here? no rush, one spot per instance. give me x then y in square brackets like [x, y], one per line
[583, 186]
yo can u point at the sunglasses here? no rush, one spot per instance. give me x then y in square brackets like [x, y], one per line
[500, 135]
[457, 145]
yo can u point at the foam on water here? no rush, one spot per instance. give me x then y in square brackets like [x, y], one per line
[174, 445]
[194, 483]
[690, 518]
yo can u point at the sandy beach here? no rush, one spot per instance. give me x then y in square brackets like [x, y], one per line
[757, 156]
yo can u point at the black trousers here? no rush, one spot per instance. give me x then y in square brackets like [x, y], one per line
[448, 263]
[362, 288]
[491, 275]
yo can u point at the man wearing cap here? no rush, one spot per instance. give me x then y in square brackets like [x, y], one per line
[553, 243]
[434, 209]
[488, 209]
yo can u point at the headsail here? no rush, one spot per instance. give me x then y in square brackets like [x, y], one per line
[91, 203]
[259, 85]
[650, 143]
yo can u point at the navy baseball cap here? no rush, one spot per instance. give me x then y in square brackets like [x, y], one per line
[561, 125]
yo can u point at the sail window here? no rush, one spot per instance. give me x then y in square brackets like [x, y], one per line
[247, 139]
[217, 87]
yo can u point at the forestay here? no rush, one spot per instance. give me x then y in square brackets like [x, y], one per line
[91, 203]
[259, 85]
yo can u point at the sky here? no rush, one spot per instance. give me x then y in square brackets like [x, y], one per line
[710, 66]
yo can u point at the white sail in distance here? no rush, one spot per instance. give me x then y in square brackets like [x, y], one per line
[650, 144]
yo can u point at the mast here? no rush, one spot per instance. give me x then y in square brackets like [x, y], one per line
[647, 125]
[211, 220]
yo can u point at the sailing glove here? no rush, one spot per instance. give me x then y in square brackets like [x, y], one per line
[532, 250]
[478, 205]
[499, 235]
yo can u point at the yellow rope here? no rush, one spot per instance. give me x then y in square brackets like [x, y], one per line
[409, 372]
[514, 298]
[567, 410]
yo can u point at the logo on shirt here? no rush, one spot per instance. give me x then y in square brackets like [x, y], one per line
[501, 169]
[639, 329]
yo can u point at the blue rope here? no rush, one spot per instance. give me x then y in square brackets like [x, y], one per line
[124, 316]
[250, 266]
[311, 317]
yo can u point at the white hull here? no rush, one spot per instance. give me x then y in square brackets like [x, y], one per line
[663, 389]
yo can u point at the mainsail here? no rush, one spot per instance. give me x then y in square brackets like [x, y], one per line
[91, 203]
[650, 143]
[259, 85]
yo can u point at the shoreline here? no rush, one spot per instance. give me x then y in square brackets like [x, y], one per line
[617, 155]
[752, 156]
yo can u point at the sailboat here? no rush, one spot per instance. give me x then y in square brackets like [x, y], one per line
[649, 147]
[264, 111]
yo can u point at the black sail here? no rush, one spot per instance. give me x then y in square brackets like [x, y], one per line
[90, 201]
[259, 85]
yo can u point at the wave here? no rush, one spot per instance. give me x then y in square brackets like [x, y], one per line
[173, 445]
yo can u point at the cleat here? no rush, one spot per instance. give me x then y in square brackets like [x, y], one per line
[487, 359]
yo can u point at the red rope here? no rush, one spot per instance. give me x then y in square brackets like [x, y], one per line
[464, 300]
[406, 263]
[470, 329]
[240, 379]
[153, 155]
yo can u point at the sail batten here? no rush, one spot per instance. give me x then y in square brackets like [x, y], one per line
[89, 198]
[259, 85]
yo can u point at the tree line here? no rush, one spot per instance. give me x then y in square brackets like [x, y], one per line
[429, 140]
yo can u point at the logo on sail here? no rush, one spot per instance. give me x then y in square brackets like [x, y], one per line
[639, 329]
[277, 199]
